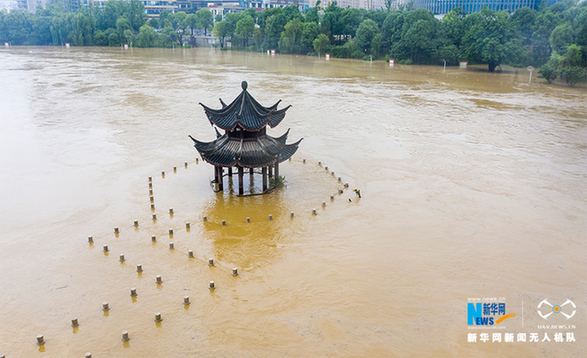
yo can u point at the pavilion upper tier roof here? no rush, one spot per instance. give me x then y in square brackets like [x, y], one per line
[258, 152]
[246, 113]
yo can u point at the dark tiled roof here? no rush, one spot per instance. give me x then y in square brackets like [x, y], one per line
[260, 152]
[246, 113]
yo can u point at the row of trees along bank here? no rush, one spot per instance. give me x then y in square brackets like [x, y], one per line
[117, 23]
[555, 35]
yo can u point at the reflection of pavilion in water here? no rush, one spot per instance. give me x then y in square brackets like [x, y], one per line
[245, 143]
[245, 243]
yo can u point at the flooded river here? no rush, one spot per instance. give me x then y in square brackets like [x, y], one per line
[473, 187]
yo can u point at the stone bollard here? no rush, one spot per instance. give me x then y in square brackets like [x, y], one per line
[139, 268]
[212, 285]
[210, 262]
[154, 217]
[159, 280]
[186, 300]
[170, 231]
[205, 218]
[171, 247]
[121, 257]
[234, 271]
[136, 224]
[291, 215]
[186, 164]
[105, 307]
[248, 219]
[40, 340]
[187, 225]
[125, 337]
[74, 322]
[116, 230]
[223, 222]
[152, 206]
[190, 254]
[158, 317]
[105, 247]
[133, 292]
[153, 238]
[323, 204]
[313, 211]
[270, 217]
[90, 239]
[170, 211]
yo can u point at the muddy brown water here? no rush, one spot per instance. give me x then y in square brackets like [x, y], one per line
[473, 185]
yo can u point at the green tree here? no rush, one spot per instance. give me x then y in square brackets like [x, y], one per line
[312, 16]
[122, 24]
[290, 36]
[147, 36]
[491, 38]
[330, 21]
[100, 38]
[543, 25]
[548, 72]
[275, 25]
[350, 19]
[562, 37]
[191, 21]
[222, 30]
[320, 43]
[292, 12]
[113, 39]
[366, 33]
[204, 20]
[310, 31]
[244, 28]
[525, 19]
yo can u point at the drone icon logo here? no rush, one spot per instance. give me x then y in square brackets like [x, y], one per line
[556, 309]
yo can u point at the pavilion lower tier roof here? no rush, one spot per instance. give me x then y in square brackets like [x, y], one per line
[248, 153]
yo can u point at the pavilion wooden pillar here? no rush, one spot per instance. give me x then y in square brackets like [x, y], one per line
[264, 174]
[270, 169]
[216, 177]
[220, 179]
[277, 170]
[230, 172]
[251, 171]
[240, 180]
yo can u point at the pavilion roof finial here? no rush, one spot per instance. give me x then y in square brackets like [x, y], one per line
[244, 111]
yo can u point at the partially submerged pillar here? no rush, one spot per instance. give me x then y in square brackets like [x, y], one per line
[240, 181]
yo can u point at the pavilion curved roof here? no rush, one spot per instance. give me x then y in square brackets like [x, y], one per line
[245, 112]
[260, 152]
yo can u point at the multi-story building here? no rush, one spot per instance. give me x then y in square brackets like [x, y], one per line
[152, 8]
[439, 7]
[224, 8]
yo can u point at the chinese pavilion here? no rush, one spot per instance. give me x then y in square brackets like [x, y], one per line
[245, 143]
